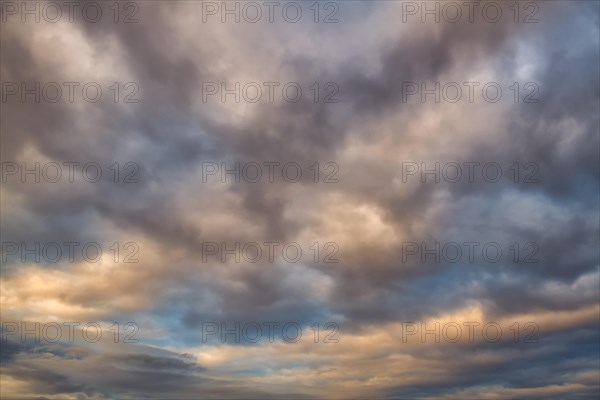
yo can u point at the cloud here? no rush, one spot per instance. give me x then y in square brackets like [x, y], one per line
[369, 213]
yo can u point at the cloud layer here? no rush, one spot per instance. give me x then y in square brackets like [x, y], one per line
[367, 117]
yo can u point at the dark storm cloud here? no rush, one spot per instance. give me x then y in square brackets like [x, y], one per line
[163, 119]
[140, 372]
[522, 366]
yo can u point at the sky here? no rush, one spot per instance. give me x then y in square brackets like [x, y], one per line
[312, 200]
